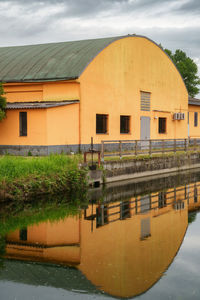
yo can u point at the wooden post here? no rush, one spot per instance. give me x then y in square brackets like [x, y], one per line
[163, 146]
[92, 148]
[99, 158]
[102, 150]
[185, 145]
[175, 145]
[120, 149]
[150, 147]
[85, 160]
[136, 147]
[136, 206]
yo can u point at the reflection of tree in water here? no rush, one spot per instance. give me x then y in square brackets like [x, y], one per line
[2, 246]
[192, 217]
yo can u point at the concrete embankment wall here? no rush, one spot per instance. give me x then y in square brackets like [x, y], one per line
[142, 167]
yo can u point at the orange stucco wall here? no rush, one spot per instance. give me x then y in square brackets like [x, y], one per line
[49, 91]
[63, 125]
[59, 91]
[112, 82]
[36, 128]
[194, 131]
[53, 126]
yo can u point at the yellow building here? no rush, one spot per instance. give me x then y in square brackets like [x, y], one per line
[194, 118]
[60, 95]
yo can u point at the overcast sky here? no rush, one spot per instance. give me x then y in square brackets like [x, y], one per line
[173, 23]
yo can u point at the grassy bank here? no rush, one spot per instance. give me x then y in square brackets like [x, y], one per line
[24, 178]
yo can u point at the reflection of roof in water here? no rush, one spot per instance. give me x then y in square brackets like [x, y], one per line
[46, 275]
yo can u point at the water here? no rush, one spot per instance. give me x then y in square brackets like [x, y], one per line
[133, 240]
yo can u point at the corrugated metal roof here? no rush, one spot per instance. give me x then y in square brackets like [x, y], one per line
[194, 101]
[29, 105]
[49, 62]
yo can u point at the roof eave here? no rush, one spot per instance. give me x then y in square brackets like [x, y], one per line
[39, 80]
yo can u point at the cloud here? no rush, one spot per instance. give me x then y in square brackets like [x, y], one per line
[190, 7]
[173, 23]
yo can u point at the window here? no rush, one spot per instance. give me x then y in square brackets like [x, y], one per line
[125, 209]
[162, 199]
[196, 119]
[162, 125]
[124, 124]
[23, 123]
[195, 195]
[23, 234]
[101, 123]
[145, 101]
[145, 204]
[101, 215]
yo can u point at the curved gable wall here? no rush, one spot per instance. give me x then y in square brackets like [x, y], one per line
[112, 82]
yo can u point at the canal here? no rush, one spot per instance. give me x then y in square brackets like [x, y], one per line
[130, 240]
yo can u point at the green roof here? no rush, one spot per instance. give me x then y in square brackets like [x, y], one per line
[49, 62]
[41, 274]
[54, 61]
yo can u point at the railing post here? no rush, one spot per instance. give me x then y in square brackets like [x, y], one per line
[188, 143]
[120, 149]
[163, 146]
[136, 142]
[195, 144]
[102, 151]
[150, 147]
[85, 160]
[175, 145]
[185, 145]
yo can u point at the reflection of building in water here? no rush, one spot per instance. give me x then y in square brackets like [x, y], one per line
[122, 247]
[193, 190]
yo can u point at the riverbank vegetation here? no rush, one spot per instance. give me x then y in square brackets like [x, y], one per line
[24, 178]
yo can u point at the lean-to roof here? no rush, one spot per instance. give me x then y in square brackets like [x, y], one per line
[47, 104]
[194, 101]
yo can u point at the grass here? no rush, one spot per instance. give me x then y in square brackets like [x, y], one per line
[25, 178]
[145, 156]
[12, 167]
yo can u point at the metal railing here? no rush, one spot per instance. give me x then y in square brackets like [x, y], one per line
[123, 148]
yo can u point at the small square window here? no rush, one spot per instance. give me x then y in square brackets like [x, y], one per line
[101, 123]
[23, 123]
[124, 124]
[195, 119]
[162, 122]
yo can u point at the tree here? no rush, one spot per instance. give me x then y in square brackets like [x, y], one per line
[188, 69]
[2, 102]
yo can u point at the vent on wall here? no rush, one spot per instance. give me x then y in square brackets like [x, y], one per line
[145, 101]
[179, 116]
